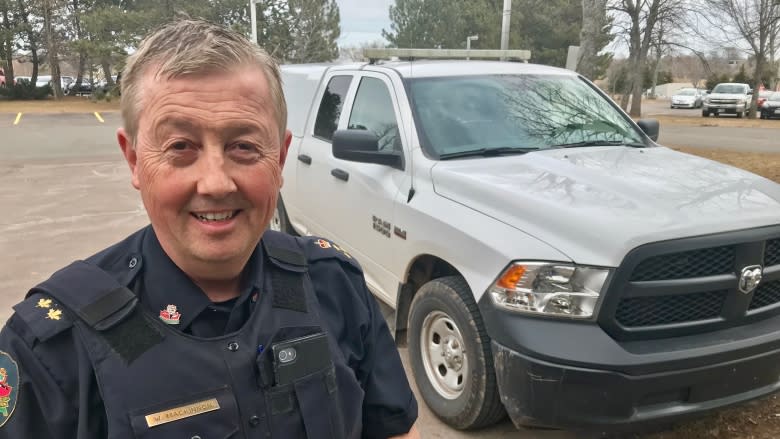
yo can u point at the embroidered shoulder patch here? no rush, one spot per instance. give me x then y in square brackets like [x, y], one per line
[9, 387]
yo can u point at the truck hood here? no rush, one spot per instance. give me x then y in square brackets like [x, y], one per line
[596, 204]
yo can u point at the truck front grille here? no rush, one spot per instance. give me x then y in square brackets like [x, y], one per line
[723, 101]
[772, 253]
[695, 263]
[675, 288]
[765, 295]
[663, 310]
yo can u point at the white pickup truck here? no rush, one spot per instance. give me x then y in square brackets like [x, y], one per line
[545, 257]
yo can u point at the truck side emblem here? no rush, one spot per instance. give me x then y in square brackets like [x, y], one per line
[750, 278]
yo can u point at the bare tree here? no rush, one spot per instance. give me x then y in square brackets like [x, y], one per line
[594, 20]
[751, 24]
[637, 22]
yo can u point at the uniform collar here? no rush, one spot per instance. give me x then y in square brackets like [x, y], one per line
[163, 283]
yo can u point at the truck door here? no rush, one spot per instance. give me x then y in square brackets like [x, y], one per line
[314, 183]
[363, 195]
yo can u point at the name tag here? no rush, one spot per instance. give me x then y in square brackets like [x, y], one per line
[182, 412]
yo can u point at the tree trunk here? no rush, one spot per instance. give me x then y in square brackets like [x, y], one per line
[54, 62]
[7, 47]
[594, 13]
[107, 72]
[33, 41]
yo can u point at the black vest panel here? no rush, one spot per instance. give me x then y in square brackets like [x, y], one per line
[157, 382]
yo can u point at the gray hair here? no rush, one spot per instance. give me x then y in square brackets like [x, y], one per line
[193, 47]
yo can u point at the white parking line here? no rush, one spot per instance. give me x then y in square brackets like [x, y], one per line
[99, 118]
[18, 117]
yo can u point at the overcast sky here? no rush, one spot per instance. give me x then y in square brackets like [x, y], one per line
[363, 20]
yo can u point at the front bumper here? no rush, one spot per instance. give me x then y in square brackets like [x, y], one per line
[681, 104]
[567, 374]
[540, 393]
[724, 108]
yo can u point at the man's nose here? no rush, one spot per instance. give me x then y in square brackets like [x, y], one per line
[215, 179]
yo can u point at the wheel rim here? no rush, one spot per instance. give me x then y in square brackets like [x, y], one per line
[276, 221]
[444, 355]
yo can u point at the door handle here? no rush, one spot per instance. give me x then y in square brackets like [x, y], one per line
[341, 175]
[304, 158]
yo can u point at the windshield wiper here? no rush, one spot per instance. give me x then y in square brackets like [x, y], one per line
[486, 152]
[600, 143]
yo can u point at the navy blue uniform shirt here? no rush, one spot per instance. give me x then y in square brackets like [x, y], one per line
[56, 394]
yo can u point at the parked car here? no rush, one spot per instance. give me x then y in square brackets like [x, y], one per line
[728, 98]
[65, 82]
[771, 106]
[43, 81]
[80, 88]
[2, 77]
[544, 256]
[687, 98]
[762, 97]
[22, 80]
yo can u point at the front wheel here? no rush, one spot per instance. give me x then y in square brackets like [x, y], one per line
[450, 355]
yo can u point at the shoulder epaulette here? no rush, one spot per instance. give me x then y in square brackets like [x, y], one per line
[320, 248]
[43, 315]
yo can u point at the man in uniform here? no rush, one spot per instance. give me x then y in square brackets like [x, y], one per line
[194, 326]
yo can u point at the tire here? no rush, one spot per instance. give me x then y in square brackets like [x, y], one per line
[279, 221]
[740, 114]
[451, 357]
[705, 113]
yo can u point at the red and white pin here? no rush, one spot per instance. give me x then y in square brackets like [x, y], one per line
[170, 315]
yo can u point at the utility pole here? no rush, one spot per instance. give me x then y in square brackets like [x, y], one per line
[253, 19]
[505, 24]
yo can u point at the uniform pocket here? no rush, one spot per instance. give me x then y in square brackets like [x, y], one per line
[309, 406]
[209, 415]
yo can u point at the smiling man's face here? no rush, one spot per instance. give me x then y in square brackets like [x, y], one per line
[208, 161]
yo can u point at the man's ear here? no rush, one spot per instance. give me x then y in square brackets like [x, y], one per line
[285, 147]
[131, 156]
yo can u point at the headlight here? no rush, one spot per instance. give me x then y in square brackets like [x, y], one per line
[740, 101]
[707, 101]
[549, 288]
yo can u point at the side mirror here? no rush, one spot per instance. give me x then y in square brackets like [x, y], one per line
[363, 146]
[651, 127]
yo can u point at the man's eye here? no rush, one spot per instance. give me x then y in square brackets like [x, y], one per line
[245, 146]
[179, 146]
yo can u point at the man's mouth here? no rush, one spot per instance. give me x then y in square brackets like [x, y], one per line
[215, 216]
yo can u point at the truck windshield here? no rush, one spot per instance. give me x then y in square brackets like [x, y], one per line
[455, 115]
[729, 89]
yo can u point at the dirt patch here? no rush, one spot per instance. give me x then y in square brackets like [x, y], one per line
[764, 164]
[68, 104]
[758, 419]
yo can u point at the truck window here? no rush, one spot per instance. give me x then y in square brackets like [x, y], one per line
[373, 111]
[330, 107]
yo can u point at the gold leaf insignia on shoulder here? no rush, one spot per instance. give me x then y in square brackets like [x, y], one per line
[54, 314]
[44, 303]
[344, 252]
